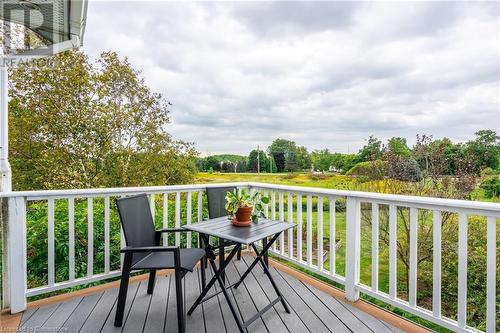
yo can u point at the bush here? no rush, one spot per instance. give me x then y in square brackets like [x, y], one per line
[491, 187]
[488, 173]
[289, 176]
[371, 170]
[318, 176]
[404, 169]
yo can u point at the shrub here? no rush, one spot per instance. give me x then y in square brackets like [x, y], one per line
[404, 169]
[318, 176]
[491, 187]
[488, 173]
[371, 170]
[289, 176]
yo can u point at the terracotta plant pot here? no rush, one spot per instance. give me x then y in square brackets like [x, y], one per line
[243, 217]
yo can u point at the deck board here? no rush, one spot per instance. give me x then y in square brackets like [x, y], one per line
[291, 320]
[271, 319]
[312, 310]
[101, 311]
[325, 315]
[155, 319]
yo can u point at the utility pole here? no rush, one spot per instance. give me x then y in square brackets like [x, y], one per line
[258, 159]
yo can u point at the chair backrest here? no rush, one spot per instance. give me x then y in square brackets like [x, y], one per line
[137, 221]
[216, 198]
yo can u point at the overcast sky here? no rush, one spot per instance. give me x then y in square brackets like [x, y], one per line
[324, 74]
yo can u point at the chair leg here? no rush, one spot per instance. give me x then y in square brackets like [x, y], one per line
[151, 282]
[122, 294]
[203, 273]
[238, 256]
[179, 301]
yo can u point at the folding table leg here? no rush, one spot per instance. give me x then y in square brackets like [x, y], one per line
[222, 252]
[275, 287]
[217, 274]
[260, 258]
[266, 255]
[257, 259]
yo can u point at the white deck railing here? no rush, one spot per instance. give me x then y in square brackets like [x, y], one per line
[310, 208]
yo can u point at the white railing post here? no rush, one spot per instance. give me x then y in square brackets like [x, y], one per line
[491, 256]
[16, 236]
[353, 230]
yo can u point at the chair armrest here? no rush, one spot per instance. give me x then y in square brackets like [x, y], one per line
[159, 231]
[142, 249]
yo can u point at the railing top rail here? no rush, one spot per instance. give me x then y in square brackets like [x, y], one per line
[388, 198]
[427, 202]
[116, 190]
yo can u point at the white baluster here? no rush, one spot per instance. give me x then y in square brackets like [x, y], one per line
[309, 231]
[282, 218]
[375, 240]
[392, 251]
[436, 264]
[165, 218]
[491, 313]
[152, 205]
[106, 235]
[333, 242]
[320, 234]
[51, 249]
[90, 237]
[299, 227]
[71, 238]
[412, 292]
[177, 217]
[188, 218]
[462, 269]
[290, 220]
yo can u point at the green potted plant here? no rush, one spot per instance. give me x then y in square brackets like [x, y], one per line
[245, 208]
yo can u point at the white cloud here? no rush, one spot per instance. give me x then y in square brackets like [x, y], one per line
[324, 74]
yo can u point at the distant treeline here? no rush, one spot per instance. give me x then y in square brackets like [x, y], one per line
[428, 156]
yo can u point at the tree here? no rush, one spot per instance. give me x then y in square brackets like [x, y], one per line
[397, 146]
[279, 150]
[322, 159]
[80, 124]
[303, 158]
[371, 151]
[252, 161]
[291, 163]
[486, 147]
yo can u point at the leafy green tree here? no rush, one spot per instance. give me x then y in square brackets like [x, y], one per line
[252, 161]
[279, 150]
[398, 146]
[81, 124]
[371, 151]
[322, 159]
[303, 158]
[486, 147]
[291, 162]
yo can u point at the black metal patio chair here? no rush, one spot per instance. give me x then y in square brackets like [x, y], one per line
[144, 252]
[216, 199]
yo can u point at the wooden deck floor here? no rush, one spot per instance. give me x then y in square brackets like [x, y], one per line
[312, 310]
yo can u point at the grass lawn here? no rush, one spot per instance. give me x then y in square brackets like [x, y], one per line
[296, 179]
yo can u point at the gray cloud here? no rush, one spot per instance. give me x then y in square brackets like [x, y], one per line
[326, 74]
